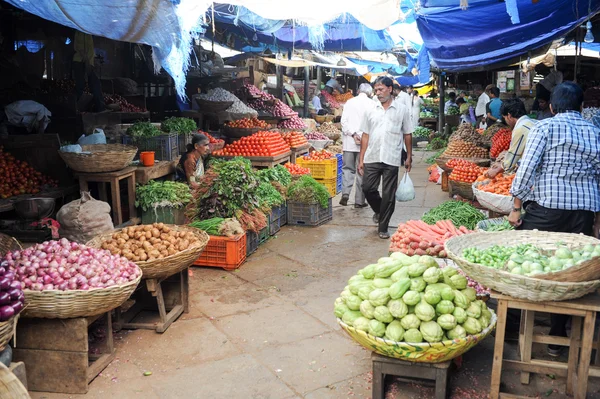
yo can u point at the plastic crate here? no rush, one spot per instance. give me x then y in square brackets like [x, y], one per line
[338, 185]
[251, 242]
[326, 169]
[165, 147]
[263, 235]
[274, 226]
[300, 214]
[330, 185]
[184, 140]
[284, 219]
[225, 252]
[340, 162]
[274, 218]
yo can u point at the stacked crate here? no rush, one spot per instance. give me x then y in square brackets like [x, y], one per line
[326, 172]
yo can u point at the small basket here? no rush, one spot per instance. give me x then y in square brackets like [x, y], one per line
[320, 118]
[8, 243]
[100, 158]
[465, 190]
[536, 288]
[213, 106]
[502, 204]
[484, 225]
[169, 265]
[55, 304]
[10, 386]
[437, 352]
[7, 329]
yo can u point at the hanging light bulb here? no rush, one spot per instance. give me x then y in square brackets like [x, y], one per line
[589, 37]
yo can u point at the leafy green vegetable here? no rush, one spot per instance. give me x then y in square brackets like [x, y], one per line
[143, 130]
[307, 190]
[431, 159]
[422, 132]
[178, 125]
[211, 226]
[160, 194]
[437, 143]
[460, 213]
[277, 174]
[268, 196]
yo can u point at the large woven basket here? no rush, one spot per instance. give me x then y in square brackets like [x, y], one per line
[100, 158]
[502, 204]
[465, 190]
[213, 106]
[442, 161]
[437, 352]
[10, 386]
[7, 329]
[8, 243]
[170, 265]
[535, 289]
[55, 304]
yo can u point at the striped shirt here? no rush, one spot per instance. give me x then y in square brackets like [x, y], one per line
[560, 168]
[517, 142]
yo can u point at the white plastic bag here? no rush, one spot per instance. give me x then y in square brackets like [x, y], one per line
[406, 189]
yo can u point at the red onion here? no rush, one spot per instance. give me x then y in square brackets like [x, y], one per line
[5, 298]
[6, 312]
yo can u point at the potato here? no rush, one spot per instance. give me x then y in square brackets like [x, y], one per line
[164, 253]
[151, 258]
[148, 234]
[147, 227]
[184, 245]
[129, 256]
[154, 253]
[143, 256]
[171, 251]
[136, 259]
[142, 238]
[104, 245]
[155, 232]
[161, 247]
[160, 225]
[166, 229]
[125, 236]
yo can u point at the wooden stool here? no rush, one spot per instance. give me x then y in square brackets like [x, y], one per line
[382, 365]
[577, 370]
[112, 178]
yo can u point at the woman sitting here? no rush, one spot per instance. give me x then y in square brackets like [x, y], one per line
[195, 161]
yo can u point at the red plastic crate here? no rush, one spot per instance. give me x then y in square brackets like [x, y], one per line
[225, 252]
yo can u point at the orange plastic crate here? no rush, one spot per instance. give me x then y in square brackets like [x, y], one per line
[225, 252]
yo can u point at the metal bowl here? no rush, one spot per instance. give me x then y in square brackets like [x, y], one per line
[34, 208]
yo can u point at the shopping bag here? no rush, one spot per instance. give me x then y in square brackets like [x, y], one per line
[406, 189]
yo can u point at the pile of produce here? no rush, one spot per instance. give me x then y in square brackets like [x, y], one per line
[458, 212]
[336, 149]
[422, 132]
[63, 265]
[297, 170]
[464, 149]
[480, 289]
[308, 191]
[500, 142]
[318, 155]
[260, 144]
[418, 238]
[268, 197]
[330, 100]
[18, 177]
[453, 111]
[294, 139]
[315, 136]
[466, 132]
[149, 242]
[277, 174]
[142, 130]
[328, 128]
[211, 139]
[124, 105]
[492, 130]
[529, 260]
[221, 95]
[12, 298]
[294, 122]
[229, 227]
[426, 114]
[411, 299]
[464, 171]
[162, 194]
[502, 226]
[249, 90]
[247, 123]
[498, 185]
[178, 125]
[342, 98]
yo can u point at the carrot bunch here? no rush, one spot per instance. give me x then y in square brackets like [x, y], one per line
[500, 142]
[416, 237]
[498, 185]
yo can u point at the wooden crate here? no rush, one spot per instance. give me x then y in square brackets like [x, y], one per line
[265, 162]
[56, 353]
[299, 151]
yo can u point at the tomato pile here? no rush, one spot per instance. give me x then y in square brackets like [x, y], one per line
[247, 123]
[294, 139]
[211, 139]
[17, 177]
[500, 142]
[260, 144]
[318, 155]
[498, 185]
[464, 171]
[296, 170]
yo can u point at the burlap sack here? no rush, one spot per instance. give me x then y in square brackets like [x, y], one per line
[83, 219]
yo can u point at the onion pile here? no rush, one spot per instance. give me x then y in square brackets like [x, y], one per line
[64, 265]
[11, 294]
[293, 123]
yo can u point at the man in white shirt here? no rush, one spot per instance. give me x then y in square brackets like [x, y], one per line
[480, 110]
[401, 95]
[352, 120]
[386, 127]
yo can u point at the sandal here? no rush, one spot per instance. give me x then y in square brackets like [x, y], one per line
[384, 235]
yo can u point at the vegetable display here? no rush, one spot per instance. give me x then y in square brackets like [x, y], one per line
[148, 242]
[178, 125]
[418, 238]
[247, 123]
[124, 105]
[411, 299]
[211, 139]
[500, 184]
[466, 132]
[143, 130]
[503, 226]
[422, 132]
[328, 128]
[229, 227]
[12, 298]
[294, 139]
[342, 98]
[63, 265]
[276, 174]
[162, 194]
[480, 289]
[315, 136]
[294, 122]
[453, 111]
[528, 260]
[329, 99]
[318, 155]
[268, 197]
[500, 142]
[297, 170]
[221, 95]
[459, 213]
[260, 144]
[307, 190]
[464, 149]
[18, 177]
[464, 171]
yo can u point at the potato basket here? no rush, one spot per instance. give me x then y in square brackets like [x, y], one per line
[437, 352]
[460, 188]
[98, 158]
[571, 283]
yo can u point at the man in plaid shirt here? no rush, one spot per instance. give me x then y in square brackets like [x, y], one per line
[558, 180]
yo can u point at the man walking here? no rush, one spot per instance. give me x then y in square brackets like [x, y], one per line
[558, 180]
[386, 127]
[352, 120]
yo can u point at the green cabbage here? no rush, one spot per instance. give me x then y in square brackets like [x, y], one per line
[379, 296]
[418, 284]
[383, 314]
[447, 321]
[459, 282]
[364, 292]
[339, 309]
[376, 328]
[432, 297]
[444, 307]
[397, 308]
[394, 331]
[413, 336]
[448, 294]
[410, 321]
[362, 324]
[428, 261]
[460, 315]
[367, 309]
[472, 326]
[353, 302]
[424, 311]
[432, 275]
[431, 331]
[350, 316]
[460, 300]
[416, 270]
[400, 274]
[411, 297]
[369, 271]
[399, 288]
[470, 293]
[474, 310]
[457, 332]
[382, 283]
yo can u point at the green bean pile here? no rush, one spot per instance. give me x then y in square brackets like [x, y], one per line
[460, 213]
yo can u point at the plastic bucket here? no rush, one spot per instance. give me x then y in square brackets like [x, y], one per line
[147, 158]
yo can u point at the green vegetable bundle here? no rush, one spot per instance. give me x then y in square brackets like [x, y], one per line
[143, 130]
[278, 174]
[229, 227]
[178, 125]
[431, 159]
[437, 143]
[422, 132]
[453, 111]
[460, 213]
[307, 190]
[268, 196]
[162, 194]
[410, 299]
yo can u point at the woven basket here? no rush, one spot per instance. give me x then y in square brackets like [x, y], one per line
[483, 226]
[238, 132]
[213, 106]
[477, 161]
[502, 204]
[320, 118]
[10, 386]
[465, 190]
[55, 304]
[8, 243]
[535, 289]
[170, 265]
[102, 158]
[7, 329]
[420, 353]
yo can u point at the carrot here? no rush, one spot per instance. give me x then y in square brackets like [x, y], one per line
[464, 229]
[415, 238]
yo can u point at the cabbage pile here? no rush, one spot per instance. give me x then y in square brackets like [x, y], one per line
[410, 299]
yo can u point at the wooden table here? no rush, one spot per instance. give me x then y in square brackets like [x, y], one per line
[143, 174]
[298, 151]
[112, 178]
[577, 370]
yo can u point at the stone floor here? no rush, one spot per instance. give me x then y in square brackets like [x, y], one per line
[267, 330]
